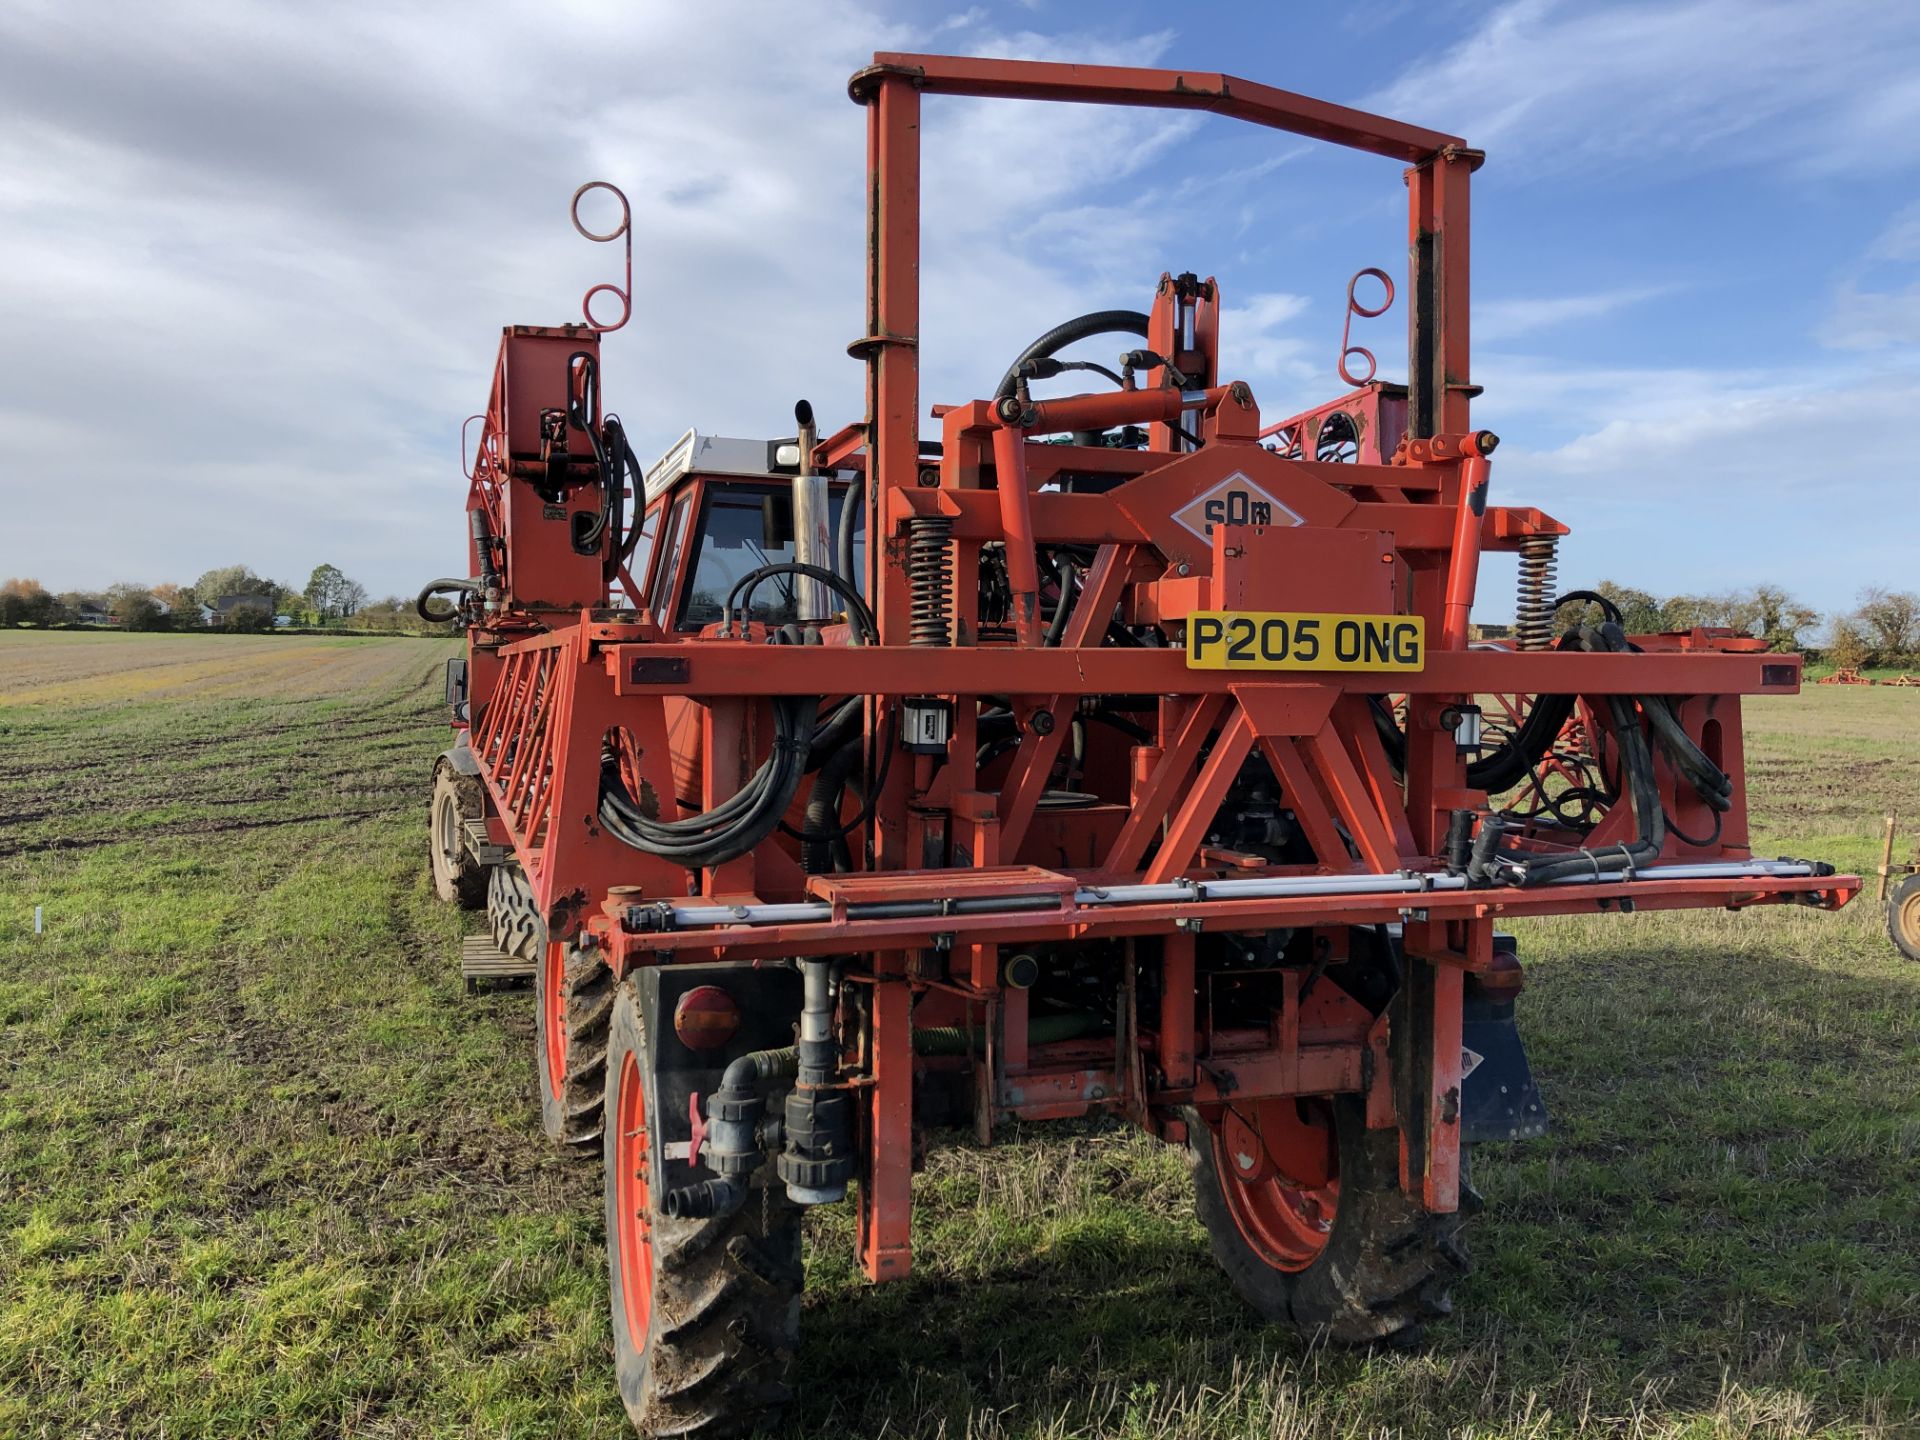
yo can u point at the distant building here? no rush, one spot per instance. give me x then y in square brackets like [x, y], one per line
[90, 614]
[224, 607]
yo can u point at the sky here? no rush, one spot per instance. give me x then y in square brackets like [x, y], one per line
[254, 257]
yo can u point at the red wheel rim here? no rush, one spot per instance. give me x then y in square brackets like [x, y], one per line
[1287, 1224]
[634, 1223]
[554, 1019]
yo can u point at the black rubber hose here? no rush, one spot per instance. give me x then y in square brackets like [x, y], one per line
[822, 850]
[843, 534]
[441, 587]
[613, 489]
[1649, 821]
[869, 801]
[841, 725]
[1041, 1030]
[580, 416]
[1099, 322]
[1591, 597]
[1505, 767]
[737, 824]
[865, 627]
[1064, 573]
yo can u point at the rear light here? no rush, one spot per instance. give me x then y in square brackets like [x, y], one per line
[1504, 979]
[706, 1018]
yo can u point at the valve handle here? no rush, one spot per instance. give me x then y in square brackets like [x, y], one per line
[698, 1126]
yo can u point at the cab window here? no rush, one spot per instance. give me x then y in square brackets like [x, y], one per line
[660, 590]
[742, 528]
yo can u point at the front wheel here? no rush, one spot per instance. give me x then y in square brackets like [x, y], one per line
[1304, 1209]
[706, 1313]
[458, 878]
[1903, 917]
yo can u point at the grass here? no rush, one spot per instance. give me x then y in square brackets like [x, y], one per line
[264, 1168]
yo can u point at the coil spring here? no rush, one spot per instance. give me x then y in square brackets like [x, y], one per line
[929, 580]
[1533, 609]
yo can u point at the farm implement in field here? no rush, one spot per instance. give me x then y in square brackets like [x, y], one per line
[1113, 753]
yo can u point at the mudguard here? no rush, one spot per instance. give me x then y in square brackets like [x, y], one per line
[1499, 1099]
[459, 756]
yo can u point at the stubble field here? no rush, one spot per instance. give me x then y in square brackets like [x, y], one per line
[266, 1169]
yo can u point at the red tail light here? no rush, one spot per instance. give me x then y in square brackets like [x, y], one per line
[706, 1018]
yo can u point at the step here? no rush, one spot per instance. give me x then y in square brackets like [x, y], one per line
[483, 961]
[483, 850]
[982, 882]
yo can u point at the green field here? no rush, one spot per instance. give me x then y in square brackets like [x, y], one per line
[265, 1169]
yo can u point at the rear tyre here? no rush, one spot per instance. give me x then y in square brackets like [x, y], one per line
[573, 1002]
[706, 1313]
[457, 878]
[1325, 1243]
[1903, 917]
[512, 914]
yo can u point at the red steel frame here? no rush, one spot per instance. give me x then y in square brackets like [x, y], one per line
[553, 676]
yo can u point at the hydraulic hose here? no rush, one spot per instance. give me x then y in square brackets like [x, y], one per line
[1515, 760]
[822, 849]
[443, 586]
[969, 1039]
[1529, 868]
[843, 534]
[1066, 575]
[738, 823]
[1099, 322]
[866, 629]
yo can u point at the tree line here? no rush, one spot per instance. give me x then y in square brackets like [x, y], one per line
[229, 597]
[1883, 628]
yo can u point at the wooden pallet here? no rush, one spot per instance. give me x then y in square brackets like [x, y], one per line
[483, 961]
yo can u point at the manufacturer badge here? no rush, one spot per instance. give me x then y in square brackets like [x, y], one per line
[1236, 500]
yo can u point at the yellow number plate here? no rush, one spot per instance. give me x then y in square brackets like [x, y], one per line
[1262, 640]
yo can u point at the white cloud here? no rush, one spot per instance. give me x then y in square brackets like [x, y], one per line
[1900, 239]
[1859, 319]
[253, 262]
[1255, 345]
[1551, 84]
[1686, 479]
[1497, 320]
[1860, 316]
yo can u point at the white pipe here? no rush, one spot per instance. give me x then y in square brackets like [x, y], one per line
[1253, 888]
[1700, 870]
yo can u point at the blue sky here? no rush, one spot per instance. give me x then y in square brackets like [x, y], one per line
[256, 260]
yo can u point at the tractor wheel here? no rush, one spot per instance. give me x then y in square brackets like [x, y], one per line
[1903, 916]
[457, 878]
[706, 1313]
[1304, 1208]
[572, 1003]
[513, 915]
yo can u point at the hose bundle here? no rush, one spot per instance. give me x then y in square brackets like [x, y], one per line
[736, 824]
[802, 738]
[1633, 717]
